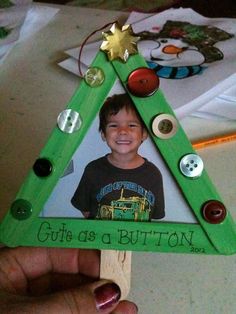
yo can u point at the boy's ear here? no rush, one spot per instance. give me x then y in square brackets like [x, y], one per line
[103, 136]
[145, 134]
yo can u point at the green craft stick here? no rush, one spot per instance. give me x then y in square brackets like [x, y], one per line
[202, 238]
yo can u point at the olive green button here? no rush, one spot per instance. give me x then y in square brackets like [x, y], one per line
[21, 209]
[94, 77]
[164, 126]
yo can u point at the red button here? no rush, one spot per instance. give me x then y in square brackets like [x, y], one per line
[143, 82]
[214, 212]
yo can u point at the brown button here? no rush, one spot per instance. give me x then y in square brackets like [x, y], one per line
[143, 82]
[214, 212]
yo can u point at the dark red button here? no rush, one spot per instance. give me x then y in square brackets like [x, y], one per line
[143, 82]
[214, 212]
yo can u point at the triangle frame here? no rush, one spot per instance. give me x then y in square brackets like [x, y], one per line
[22, 225]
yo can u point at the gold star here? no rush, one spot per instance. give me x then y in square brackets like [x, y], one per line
[119, 42]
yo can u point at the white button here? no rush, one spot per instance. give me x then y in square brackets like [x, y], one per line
[191, 166]
[164, 126]
[69, 121]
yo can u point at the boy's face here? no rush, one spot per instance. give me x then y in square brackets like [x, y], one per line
[124, 132]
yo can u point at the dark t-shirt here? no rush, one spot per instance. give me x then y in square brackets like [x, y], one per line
[108, 192]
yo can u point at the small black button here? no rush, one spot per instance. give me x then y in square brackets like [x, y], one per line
[42, 167]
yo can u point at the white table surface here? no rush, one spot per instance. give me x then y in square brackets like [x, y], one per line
[34, 90]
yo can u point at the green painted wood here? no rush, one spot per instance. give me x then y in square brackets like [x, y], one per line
[136, 236]
[130, 236]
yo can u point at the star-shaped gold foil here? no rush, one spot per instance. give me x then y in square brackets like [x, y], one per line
[119, 42]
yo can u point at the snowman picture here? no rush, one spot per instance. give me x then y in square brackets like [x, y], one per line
[181, 49]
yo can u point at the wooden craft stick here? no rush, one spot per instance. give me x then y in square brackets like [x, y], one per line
[116, 266]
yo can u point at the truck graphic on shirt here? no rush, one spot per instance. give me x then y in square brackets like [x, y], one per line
[126, 208]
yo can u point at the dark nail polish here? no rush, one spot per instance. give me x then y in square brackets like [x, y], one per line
[107, 295]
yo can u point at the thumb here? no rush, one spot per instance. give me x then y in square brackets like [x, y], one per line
[98, 297]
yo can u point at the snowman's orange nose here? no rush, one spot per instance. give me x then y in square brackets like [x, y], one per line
[171, 49]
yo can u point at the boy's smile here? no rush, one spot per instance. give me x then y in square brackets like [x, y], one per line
[124, 134]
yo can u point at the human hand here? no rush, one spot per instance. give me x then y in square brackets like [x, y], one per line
[52, 280]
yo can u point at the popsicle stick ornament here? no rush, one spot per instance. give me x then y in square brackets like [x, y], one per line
[212, 232]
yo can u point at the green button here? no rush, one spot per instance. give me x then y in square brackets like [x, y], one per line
[21, 209]
[94, 77]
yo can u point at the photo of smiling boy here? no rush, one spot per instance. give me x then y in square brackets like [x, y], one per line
[121, 185]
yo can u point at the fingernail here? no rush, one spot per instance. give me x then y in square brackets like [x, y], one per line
[107, 295]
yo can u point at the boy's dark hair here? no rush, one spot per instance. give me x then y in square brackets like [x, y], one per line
[112, 106]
